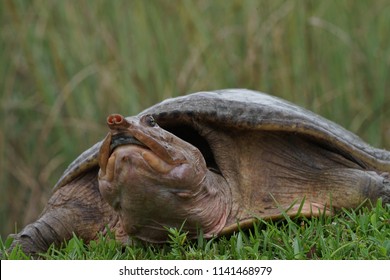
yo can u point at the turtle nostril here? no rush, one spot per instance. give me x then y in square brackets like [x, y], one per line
[114, 119]
[117, 121]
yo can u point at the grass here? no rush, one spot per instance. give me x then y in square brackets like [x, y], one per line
[66, 65]
[351, 235]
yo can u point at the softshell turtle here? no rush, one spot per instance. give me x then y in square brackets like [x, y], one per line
[213, 161]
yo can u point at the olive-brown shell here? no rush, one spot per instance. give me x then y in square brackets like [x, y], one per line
[236, 109]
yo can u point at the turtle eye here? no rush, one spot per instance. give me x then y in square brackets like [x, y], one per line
[149, 120]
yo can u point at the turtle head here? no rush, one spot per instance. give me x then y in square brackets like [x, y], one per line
[155, 180]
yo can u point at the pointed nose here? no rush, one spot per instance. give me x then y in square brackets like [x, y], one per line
[117, 121]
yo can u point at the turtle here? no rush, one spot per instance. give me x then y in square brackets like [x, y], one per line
[213, 161]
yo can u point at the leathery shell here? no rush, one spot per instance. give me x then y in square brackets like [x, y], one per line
[237, 109]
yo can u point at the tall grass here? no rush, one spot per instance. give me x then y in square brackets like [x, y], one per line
[65, 65]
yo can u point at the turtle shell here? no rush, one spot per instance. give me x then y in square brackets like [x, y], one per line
[237, 109]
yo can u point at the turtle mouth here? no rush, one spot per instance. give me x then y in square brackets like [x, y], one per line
[122, 139]
[154, 153]
[113, 141]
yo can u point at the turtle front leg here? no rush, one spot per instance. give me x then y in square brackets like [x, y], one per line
[38, 236]
[74, 208]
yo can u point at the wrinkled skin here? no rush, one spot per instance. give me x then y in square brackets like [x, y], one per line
[161, 183]
[76, 209]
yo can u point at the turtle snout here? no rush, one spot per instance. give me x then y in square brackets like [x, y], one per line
[117, 121]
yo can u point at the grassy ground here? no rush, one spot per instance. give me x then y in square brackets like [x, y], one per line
[65, 65]
[352, 235]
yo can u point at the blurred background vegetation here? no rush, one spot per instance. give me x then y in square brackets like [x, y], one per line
[65, 65]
